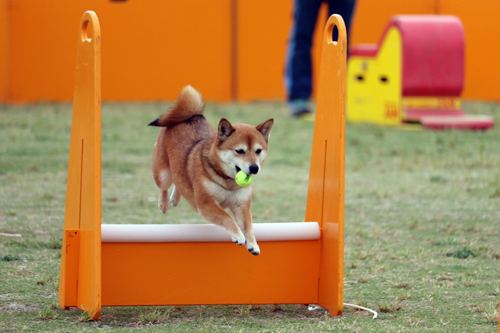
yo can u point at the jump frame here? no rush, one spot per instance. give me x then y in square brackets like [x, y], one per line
[133, 265]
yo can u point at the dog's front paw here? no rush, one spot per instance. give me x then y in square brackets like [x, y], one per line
[238, 238]
[253, 248]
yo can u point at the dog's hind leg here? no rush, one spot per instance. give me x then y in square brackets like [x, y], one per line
[176, 197]
[164, 184]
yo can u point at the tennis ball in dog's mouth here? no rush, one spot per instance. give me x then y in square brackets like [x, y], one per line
[243, 179]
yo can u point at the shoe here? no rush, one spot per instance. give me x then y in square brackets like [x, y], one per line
[299, 108]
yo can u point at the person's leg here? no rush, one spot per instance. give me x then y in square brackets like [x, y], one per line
[298, 79]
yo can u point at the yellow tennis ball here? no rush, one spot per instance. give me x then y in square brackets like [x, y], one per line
[243, 179]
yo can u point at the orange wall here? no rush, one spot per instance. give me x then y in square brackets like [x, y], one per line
[150, 49]
[481, 20]
[4, 51]
[166, 45]
[228, 49]
[43, 50]
[371, 16]
[262, 46]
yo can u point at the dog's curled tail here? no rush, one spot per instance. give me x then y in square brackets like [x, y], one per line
[189, 104]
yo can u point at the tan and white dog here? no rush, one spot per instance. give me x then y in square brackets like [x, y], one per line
[202, 165]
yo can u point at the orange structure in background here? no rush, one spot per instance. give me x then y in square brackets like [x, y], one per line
[97, 269]
[232, 50]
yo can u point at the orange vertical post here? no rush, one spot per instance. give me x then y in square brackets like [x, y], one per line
[4, 51]
[80, 283]
[325, 201]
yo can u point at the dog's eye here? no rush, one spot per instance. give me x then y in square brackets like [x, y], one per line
[240, 151]
[258, 151]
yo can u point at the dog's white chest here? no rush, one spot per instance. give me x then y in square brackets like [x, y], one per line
[226, 198]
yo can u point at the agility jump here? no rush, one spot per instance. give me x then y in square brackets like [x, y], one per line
[132, 265]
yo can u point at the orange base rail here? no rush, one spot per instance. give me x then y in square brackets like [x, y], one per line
[96, 273]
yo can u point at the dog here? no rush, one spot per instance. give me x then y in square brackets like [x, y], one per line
[202, 164]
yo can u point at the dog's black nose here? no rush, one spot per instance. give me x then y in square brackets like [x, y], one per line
[254, 169]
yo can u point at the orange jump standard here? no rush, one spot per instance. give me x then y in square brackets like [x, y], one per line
[125, 265]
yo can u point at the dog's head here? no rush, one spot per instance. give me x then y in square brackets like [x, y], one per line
[243, 147]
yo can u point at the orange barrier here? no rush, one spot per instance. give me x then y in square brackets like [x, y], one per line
[241, 56]
[108, 271]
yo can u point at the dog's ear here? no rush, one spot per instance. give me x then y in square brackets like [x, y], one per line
[265, 128]
[225, 129]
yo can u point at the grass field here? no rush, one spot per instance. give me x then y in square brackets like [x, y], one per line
[422, 221]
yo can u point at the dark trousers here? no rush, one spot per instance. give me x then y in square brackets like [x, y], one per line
[298, 79]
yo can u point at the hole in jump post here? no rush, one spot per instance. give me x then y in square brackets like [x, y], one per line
[335, 34]
[87, 31]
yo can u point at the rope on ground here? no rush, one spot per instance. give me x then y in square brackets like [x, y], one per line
[375, 314]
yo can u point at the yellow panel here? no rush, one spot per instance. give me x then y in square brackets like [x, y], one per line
[374, 84]
[388, 78]
[361, 100]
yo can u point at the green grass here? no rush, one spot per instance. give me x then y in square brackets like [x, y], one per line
[421, 221]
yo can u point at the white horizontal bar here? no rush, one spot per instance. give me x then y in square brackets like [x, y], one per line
[169, 233]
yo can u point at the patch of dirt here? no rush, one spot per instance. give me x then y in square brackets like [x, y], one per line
[18, 307]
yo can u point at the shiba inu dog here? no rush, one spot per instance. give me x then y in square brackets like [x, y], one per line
[202, 165]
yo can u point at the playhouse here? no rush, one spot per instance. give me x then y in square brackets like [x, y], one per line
[415, 74]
